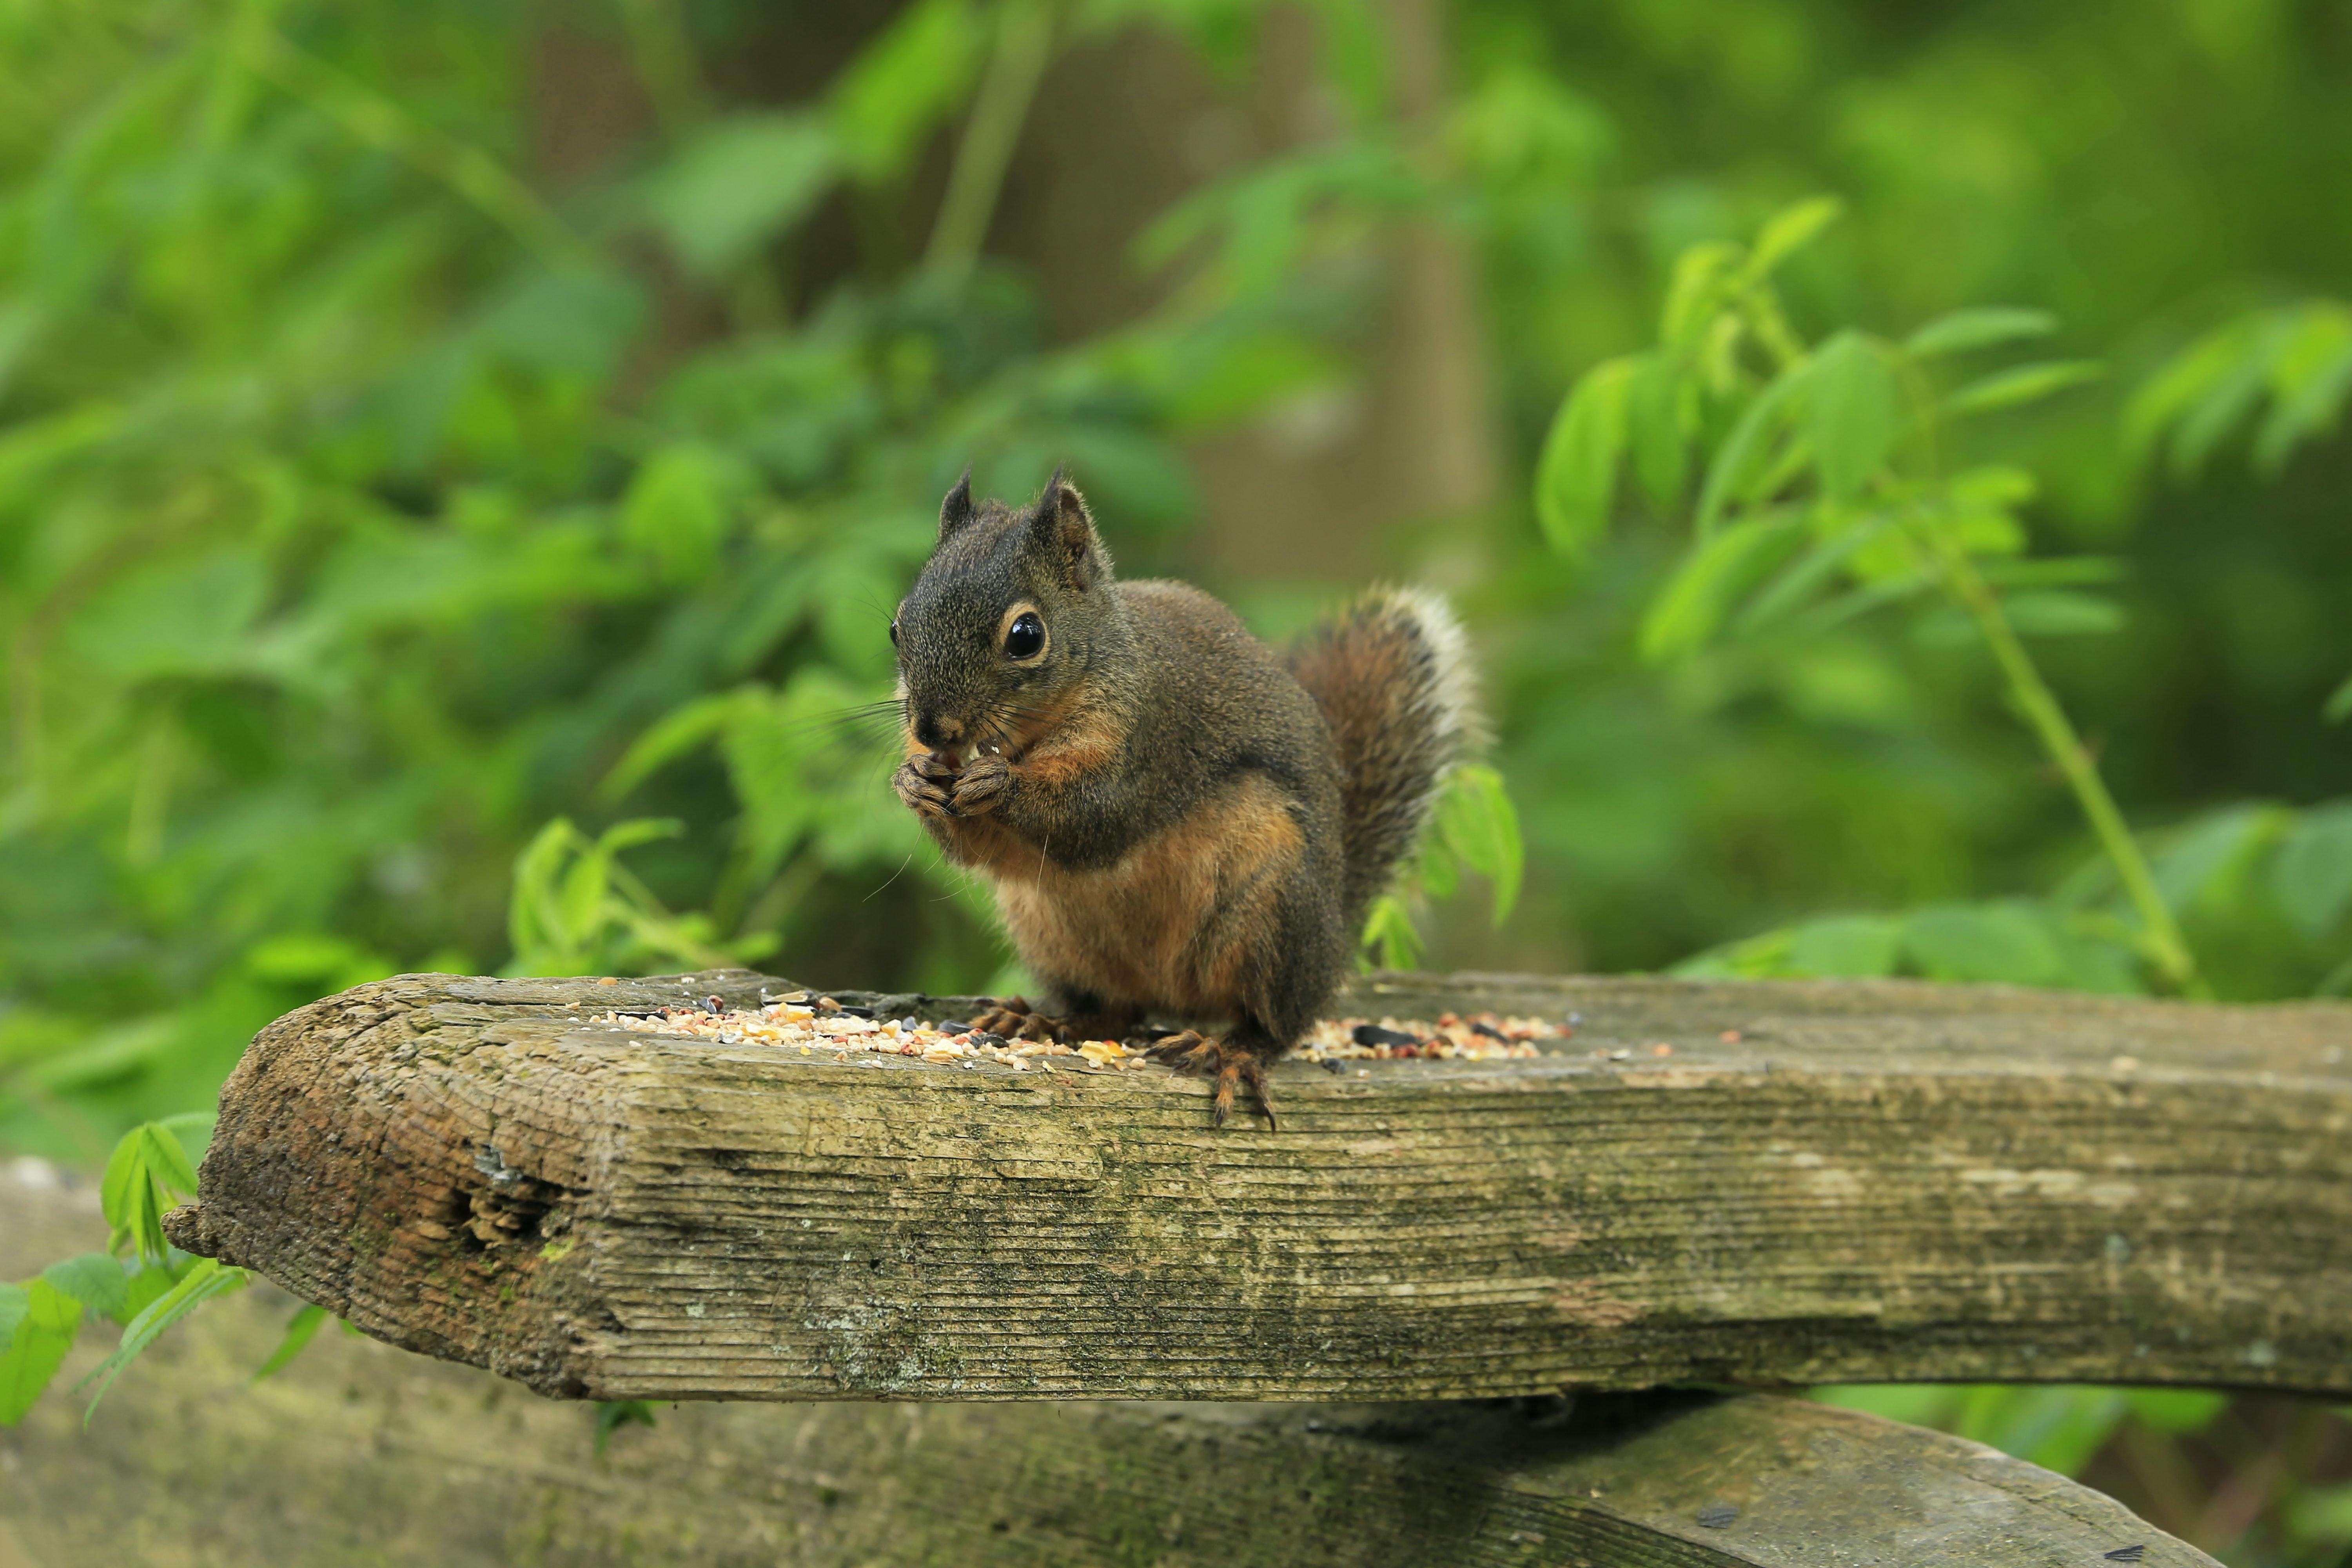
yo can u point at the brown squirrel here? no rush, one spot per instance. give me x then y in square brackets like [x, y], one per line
[1174, 819]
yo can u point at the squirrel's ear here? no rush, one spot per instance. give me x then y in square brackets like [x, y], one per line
[957, 510]
[1062, 525]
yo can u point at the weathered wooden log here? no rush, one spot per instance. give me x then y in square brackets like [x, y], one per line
[358, 1454]
[1820, 1183]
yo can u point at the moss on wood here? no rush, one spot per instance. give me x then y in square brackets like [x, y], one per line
[359, 1455]
[1820, 1182]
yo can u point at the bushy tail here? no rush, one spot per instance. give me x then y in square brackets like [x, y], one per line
[1391, 673]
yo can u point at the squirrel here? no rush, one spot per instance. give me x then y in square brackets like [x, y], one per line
[1174, 819]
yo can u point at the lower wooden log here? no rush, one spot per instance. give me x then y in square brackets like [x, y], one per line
[362, 1454]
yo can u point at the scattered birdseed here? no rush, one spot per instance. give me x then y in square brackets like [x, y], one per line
[797, 1021]
[1482, 1036]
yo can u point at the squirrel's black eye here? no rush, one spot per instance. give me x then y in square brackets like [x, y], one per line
[1025, 637]
[893, 632]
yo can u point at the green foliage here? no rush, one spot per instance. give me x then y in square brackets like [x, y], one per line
[1826, 498]
[1472, 827]
[2284, 372]
[2267, 892]
[2058, 1426]
[354, 519]
[146, 1293]
[576, 910]
[611, 1414]
[300, 1330]
[148, 1169]
[47, 1323]
[203, 1279]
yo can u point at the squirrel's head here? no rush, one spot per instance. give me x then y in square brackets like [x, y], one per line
[1011, 611]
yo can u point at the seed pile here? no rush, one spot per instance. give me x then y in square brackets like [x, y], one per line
[810, 1024]
[1481, 1036]
[814, 1024]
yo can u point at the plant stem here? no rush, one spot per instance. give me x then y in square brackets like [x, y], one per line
[1024, 40]
[2057, 732]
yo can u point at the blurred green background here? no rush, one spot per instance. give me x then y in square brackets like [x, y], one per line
[457, 462]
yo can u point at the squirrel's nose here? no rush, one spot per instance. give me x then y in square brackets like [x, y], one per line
[936, 732]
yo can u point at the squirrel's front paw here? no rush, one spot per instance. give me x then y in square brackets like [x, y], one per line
[922, 787]
[980, 786]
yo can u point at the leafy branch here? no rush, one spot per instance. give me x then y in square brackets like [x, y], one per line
[141, 1281]
[1821, 495]
[2287, 372]
[1474, 827]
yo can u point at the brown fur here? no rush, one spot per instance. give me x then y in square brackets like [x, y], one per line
[1165, 812]
[1171, 923]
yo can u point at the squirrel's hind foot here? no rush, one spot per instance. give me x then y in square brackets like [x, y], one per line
[1233, 1066]
[1012, 1017]
[1015, 1019]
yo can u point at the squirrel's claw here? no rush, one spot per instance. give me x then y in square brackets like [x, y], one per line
[1233, 1066]
[1012, 1017]
[980, 786]
[916, 788]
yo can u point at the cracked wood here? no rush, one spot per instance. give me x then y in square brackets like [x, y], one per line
[1821, 1181]
[356, 1454]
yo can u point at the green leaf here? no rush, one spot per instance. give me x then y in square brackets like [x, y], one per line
[1982, 943]
[741, 182]
[206, 1279]
[903, 84]
[674, 734]
[1877, 594]
[1712, 579]
[95, 1279]
[15, 1303]
[300, 1329]
[1389, 933]
[1789, 230]
[1851, 414]
[2023, 383]
[1979, 326]
[2189, 378]
[147, 1166]
[1848, 532]
[1654, 427]
[1477, 820]
[1857, 947]
[2311, 874]
[45, 1332]
[2176, 1410]
[1437, 869]
[1696, 293]
[2201, 857]
[1745, 451]
[2058, 1427]
[2310, 376]
[680, 508]
[1576, 479]
[2338, 706]
[143, 1290]
[611, 1414]
[167, 1159]
[2058, 613]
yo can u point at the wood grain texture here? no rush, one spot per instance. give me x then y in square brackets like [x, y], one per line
[360, 1455]
[1875, 1181]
